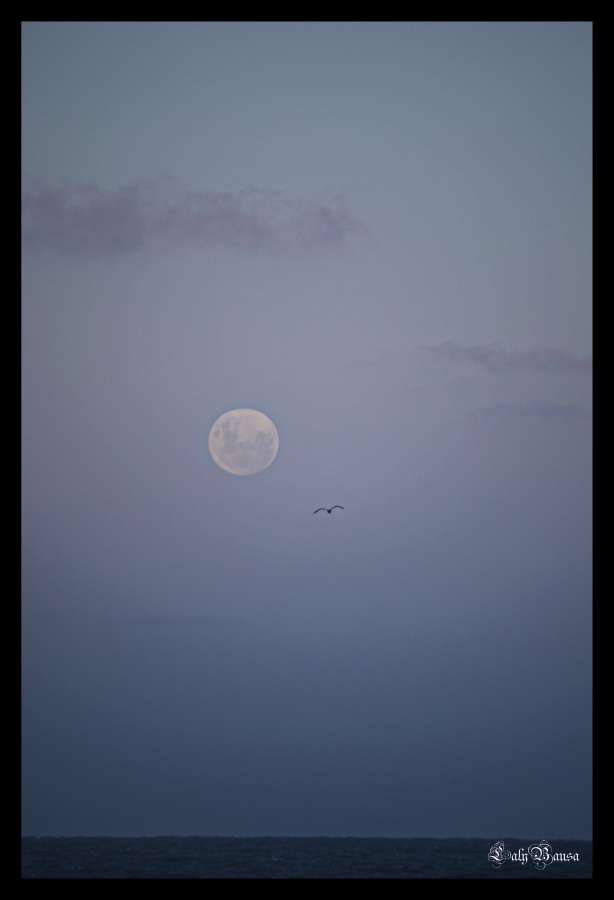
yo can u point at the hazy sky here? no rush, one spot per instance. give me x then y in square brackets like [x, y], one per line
[379, 235]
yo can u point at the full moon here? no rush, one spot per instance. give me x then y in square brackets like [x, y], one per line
[243, 441]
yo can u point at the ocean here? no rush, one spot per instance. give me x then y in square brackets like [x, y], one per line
[302, 857]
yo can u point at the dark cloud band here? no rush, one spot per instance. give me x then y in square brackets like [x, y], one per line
[495, 358]
[85, 220]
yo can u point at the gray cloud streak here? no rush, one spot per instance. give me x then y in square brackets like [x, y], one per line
[494, 358]
[538, 410]
[85, 220]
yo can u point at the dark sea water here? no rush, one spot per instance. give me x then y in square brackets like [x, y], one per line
[291, 857]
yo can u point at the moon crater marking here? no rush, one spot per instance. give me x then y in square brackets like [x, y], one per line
[243, 441]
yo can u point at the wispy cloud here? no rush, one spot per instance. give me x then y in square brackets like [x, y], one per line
[544, 410]
[85, 220]
[495, 358]
[74, 615]
[164, 621]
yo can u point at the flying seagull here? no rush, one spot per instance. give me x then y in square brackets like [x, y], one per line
[327, 510]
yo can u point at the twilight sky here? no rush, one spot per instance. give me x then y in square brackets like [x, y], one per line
[379, 235]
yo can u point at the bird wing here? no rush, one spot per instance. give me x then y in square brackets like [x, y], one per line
[320, 508]
[337, 507]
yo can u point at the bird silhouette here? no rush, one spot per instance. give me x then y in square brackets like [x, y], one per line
[323, 508]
